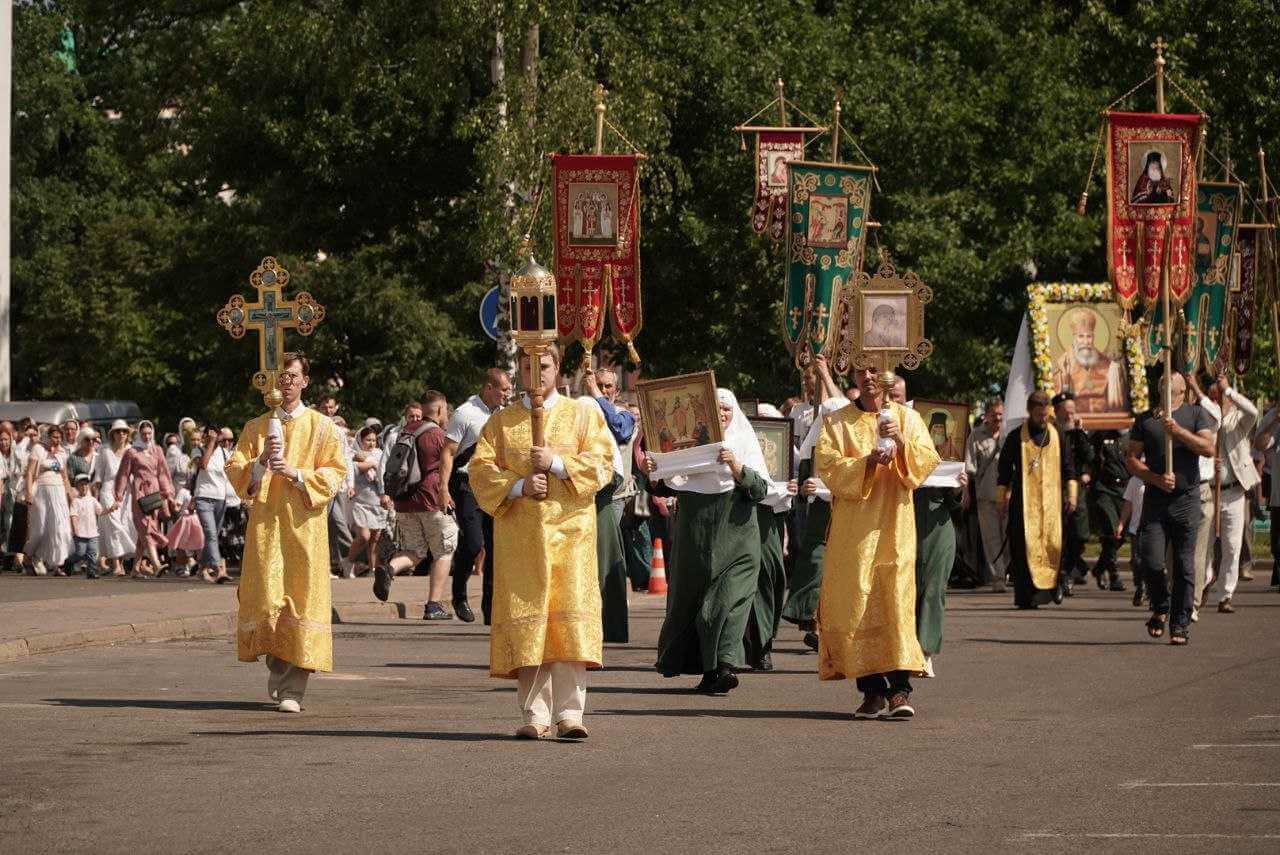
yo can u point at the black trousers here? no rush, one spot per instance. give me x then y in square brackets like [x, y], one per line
[468, 515]
[885, 684]
[1170, 522]
[1275, 545]
[486, 584]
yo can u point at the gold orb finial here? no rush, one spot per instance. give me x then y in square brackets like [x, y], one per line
[273, 398]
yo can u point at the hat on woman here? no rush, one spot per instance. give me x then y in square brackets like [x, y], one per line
[119, 424]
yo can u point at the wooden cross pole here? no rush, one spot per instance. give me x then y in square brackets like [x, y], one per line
[1159, 45]
[269, 317]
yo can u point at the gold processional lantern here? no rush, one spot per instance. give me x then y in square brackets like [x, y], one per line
[533, 325]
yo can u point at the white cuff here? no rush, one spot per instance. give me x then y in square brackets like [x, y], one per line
[517, 490]
[557, 468]
[258, 471]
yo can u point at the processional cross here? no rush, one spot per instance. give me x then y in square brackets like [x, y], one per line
[270, 316]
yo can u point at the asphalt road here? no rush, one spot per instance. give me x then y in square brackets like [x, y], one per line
[1047, 731]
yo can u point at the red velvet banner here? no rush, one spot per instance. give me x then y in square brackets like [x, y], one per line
[774, 150]
[1246, 264]
[597, 265]
[1151, 203]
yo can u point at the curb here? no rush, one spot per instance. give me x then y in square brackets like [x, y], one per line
[174, 629]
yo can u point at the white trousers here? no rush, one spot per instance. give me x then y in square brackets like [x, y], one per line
[551, 693]
[1234, 512]
[287, 681]
[1204, 541]
[993, 540]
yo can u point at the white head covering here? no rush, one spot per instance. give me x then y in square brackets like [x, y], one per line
[827, 407]
[139, 442]
[769, 410]
[738, 438]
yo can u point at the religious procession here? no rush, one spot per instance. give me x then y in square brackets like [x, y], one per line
[891, 377]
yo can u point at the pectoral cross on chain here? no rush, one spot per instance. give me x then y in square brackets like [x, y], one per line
[270, 316]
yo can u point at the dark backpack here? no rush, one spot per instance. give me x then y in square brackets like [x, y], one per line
[404, 473]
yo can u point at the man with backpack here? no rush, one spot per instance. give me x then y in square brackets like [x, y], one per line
[475, 527]
[424, 522]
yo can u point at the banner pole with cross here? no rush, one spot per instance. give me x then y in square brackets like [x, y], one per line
[270, 316]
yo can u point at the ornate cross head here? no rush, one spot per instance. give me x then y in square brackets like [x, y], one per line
[882, 321]
[270, 316]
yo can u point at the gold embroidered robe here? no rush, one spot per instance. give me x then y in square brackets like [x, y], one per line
[285, 601]
[866, 610]
[546, 590]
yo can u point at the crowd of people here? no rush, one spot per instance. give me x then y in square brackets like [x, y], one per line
[74, 503]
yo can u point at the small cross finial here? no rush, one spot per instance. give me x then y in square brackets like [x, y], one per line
[599, 94]
[1160, 45]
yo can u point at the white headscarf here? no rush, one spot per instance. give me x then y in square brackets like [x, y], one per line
[738, 438]
[769, 410]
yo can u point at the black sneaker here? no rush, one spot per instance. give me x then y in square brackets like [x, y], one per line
[811, 641]
[724, 682]
[764, 663]
[435, 611]
[382, 582]
[1116, 584]
[462, 609]
[1139, 593]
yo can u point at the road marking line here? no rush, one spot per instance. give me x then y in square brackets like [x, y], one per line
[1130, 835]
[1252, 717]
[1131, 785]
[1200, 746]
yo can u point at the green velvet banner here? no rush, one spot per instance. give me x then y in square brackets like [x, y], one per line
[828, 207]
[1218, 206]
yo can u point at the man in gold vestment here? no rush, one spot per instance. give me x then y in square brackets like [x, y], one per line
[867, 608]
[1033, 466]
[546, 627]
[284, 582]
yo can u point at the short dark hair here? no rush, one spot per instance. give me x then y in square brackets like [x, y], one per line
[327, 396]
[369, 431]
[431, 397]
[299, 357]
[1038, 398]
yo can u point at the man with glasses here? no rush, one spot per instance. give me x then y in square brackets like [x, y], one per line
[284, 597]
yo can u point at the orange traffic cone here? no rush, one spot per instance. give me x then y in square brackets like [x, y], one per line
[658, 569]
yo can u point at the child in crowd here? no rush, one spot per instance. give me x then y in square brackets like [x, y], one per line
[84, 530]
[186, 538]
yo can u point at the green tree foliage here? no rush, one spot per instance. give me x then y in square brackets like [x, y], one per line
[372, 136]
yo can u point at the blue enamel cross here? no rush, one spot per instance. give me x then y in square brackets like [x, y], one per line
[270, 316]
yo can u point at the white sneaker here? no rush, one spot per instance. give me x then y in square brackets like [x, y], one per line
[39, 569]
[928, 667]
[1195, 615]
[290, 705]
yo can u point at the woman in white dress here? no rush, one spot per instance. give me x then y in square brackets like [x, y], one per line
[368, 517]
[117, 538]
[49, 527]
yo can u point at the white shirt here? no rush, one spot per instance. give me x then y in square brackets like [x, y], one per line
[1206, 463]
[1133, 493]
[211, 481]
[465, 425]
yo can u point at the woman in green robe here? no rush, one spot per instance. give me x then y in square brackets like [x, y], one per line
[714, 570]
[935, 556]
[806, 576]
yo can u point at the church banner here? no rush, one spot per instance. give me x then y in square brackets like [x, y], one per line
[774, 150]
[1081, 343]
[1218, 206]
[829, 204]
[1245, 276]
[597, 263]
[1151, 197]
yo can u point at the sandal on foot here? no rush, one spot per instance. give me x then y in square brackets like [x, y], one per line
[1155, 626]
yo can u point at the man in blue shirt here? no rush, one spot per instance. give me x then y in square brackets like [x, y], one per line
[602, 386]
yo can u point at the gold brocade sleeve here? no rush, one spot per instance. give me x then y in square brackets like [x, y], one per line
[591, 468]
[919, 457]
[321, 482]
[240, 467]
[489, 481]
[840, 458]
